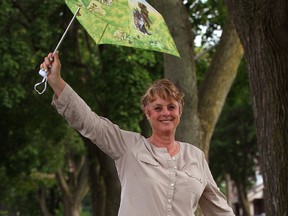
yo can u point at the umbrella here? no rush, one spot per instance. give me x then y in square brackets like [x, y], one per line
[131, 23]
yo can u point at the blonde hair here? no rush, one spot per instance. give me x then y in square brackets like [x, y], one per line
[166, 90]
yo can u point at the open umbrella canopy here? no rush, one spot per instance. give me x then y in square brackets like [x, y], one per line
[132, 23]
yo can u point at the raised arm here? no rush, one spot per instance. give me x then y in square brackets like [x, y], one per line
[106, 135]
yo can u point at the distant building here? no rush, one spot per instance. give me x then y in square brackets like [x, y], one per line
[255, 197]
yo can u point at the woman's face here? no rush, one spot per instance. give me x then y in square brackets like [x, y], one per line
[164, 116]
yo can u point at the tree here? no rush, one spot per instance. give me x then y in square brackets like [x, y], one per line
[31, 140]
[73, 178]
[19, 120]
[262, 28]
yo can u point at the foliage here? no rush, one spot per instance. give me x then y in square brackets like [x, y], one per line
[202, 62]
[28, 131]
[129, 86]
[209, 15]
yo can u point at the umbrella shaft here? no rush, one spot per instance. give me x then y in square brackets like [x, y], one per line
[59, 43]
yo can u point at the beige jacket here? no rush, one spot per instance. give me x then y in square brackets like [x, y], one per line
[153, 183]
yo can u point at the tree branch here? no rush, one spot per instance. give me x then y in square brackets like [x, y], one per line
[62, 183]
[218, 80]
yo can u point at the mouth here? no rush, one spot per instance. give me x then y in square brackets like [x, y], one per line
[166, 120]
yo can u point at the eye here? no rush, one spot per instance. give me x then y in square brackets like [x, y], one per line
[171, 107]
[157, 108]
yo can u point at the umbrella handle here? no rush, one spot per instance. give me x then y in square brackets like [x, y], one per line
[44, 74]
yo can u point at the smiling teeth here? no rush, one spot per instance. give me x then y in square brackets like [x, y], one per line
[166, 120]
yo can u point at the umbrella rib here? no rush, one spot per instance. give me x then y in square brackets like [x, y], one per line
[103, 33]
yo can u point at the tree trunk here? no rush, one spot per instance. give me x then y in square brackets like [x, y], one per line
[104, 182]
[217, 82]
[228, 193]
[43, 204]
[97, 186]
[262, 28]
[111, 182]
[70, 208]
[74, 186]
[242, 198]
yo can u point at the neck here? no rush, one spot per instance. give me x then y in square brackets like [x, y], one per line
[169, 143]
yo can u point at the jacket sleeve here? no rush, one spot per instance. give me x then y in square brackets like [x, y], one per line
[107, 136]
[213, 202]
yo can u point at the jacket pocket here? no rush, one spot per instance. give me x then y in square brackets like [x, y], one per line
[147, 159]
[194, 182]
[192, 176]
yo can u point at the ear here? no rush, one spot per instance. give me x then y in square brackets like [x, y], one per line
[147, 116]
[180, 111]
[147, 113]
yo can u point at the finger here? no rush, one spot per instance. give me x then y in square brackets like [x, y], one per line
[50, 57]
[56, 59]
[43, 67]
[48, 63]
[56, 56]
[46, 60]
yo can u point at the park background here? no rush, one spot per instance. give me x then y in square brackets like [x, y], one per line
[46, 168]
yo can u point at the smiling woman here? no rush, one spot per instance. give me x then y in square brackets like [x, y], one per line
[159, 175]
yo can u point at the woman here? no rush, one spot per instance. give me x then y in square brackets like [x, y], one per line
[158, 175]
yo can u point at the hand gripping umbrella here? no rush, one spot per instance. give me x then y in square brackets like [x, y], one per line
[131, 23]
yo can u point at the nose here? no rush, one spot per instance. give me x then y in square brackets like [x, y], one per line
[165, 111]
